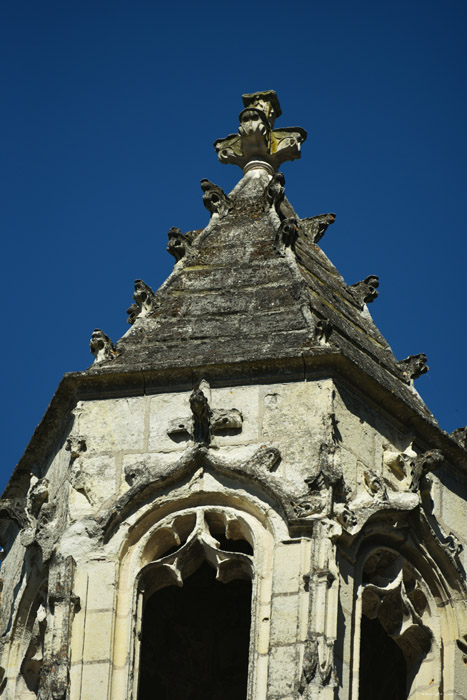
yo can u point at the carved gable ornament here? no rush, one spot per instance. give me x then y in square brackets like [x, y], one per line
[257, 142]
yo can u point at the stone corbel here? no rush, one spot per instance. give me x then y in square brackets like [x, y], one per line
[101, 346]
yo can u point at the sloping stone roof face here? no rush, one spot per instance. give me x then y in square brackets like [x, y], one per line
[232, 297]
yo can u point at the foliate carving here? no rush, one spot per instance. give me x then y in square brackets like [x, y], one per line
[257, 142]
[460, 436]
[145, 302]
[179, 242]
[215, 200]
[322, 331]
[422, 464]
[287, 233]
[205, 421]
[75, 445]
[223, 420]
[365, 291]
[315, 227]
[325, 489]
[101, 346]
[413, 367]
[375, 485]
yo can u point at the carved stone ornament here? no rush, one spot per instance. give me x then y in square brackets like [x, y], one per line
[393, 594]
[205, 421]
[365, 291]
[315, 226]
[257, 144]
[215, 200]
[287, 233]
[75, 445]
[145, 302]
[413, 367]
[460, 436]
[200, 545]
[101, 346]
[322, 331]
[179, 242]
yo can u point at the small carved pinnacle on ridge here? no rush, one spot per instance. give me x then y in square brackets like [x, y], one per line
[413, 367]
[214, 199]
[257, 143]
[145, 301]
[101, 346]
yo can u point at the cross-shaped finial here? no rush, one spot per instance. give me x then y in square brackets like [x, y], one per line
[258, 144]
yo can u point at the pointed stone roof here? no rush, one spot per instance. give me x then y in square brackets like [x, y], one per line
[252, 298]
[254, 286]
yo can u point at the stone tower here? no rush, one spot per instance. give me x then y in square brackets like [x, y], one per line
[245, 497]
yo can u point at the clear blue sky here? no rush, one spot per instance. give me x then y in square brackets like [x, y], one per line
[109, 111]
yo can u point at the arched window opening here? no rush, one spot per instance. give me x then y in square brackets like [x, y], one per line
[395, 637]
[195, 640]
[196, 594]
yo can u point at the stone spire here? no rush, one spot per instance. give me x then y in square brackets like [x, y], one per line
[257, 143]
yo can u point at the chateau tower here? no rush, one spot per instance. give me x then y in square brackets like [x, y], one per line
[245, 497]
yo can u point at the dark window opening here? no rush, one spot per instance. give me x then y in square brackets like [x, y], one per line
[195, 640]
[383, 669]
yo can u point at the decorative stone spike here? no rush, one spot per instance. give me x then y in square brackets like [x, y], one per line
[214, 199]
[257, 144]
[365, 291]
[315, 226]
[413, 367]
[101, 346]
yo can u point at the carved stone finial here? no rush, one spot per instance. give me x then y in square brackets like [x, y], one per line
[366, 290]
[257, 144]
[214, 199]
[145, 301]
[315, 227]
[413, 367]
[201, 417]
[101, 346]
